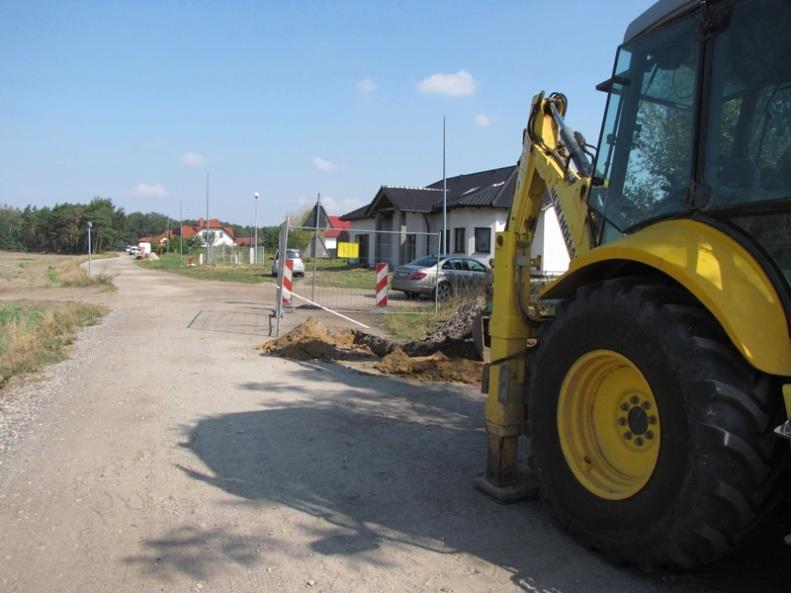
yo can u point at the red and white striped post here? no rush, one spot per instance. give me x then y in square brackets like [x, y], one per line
[381, 285]
[288, 273]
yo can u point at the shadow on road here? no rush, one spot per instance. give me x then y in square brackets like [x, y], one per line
[384, 461]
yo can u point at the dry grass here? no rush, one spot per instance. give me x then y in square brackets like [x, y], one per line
[34, 334]
[70, 273]
[21, 271]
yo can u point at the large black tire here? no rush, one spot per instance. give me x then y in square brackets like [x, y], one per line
[719, 462]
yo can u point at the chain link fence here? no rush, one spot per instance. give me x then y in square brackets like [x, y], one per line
[338, 269]
[233, 254]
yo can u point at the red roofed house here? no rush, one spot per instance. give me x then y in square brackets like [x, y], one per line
[220, 235]
[331, 237]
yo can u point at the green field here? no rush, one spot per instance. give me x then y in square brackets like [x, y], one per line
[329, 272]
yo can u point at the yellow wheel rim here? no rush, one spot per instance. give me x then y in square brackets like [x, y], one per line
[609, 425]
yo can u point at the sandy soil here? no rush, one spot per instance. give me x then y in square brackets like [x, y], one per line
[169, 455]
[311, 340]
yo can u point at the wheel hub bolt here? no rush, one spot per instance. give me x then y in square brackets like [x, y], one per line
[627, 436]
[646, 405]
[622, 421]
[652, 420]
[634, 399]
[649, 434]
[625, 407]
[638, 441]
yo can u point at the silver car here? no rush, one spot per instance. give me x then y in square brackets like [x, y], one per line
[292, 254]
[457, 274]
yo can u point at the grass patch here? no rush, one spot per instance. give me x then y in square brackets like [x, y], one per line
[169, 262]
[417, 322]
[338, 274]
[329, 272]
[70, 274]
[35, 334]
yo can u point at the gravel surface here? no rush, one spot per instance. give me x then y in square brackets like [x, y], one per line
[168, 455]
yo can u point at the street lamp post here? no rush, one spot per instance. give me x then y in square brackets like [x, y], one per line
[255, 226]
[90, 226]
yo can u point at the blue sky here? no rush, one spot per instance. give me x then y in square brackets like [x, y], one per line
[137, 100]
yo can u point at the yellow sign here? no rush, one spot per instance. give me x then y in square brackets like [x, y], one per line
[348, 250]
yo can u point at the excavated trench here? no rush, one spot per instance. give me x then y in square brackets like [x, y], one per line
[446, 354]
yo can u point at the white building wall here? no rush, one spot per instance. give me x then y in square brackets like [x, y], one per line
[220, 237]
[356, 229]
[554, 255]
[469, 219]
[548, 242]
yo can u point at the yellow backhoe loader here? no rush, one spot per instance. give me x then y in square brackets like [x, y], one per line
[650, 379]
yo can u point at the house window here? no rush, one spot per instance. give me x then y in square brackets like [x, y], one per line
[483, 239]
[362, 241]
[459, 236]
[409, 252]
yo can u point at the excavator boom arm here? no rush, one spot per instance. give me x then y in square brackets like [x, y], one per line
[553, 163]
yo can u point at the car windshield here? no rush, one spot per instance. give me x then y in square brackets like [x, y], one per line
[428, 261]
[292, 254]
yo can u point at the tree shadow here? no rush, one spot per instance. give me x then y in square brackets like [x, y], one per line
[383, 461]
[188, 550]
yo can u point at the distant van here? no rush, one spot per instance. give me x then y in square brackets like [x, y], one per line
[143, 249]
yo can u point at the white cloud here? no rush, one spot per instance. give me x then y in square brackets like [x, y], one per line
[333, 206]
[351, 204]
[482, 119]
[192, 159]
[150, 190]
[330, 204]
[453, 85]
[322, 164]
[366, 85]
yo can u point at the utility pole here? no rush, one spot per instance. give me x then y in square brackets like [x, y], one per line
[206, 237]
[255, 226]
[90, 226]
[444, 196]
[181, 236]
[315, 248]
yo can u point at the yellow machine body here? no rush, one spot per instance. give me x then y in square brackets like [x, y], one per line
[712, 266]
[717, 270]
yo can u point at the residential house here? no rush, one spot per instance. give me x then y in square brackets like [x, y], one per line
[401, 224]
[331, 236]
[331, 229]
[219, 234]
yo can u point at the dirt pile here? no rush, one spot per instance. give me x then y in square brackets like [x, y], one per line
[436, 367]
[311, 340]
[446, 354]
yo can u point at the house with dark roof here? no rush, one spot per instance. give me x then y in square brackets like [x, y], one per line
[333, 230]
[401, 224]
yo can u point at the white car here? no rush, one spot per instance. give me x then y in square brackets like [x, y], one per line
[295, 256]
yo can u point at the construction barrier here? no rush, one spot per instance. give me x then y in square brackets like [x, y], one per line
[288, 273]
[381, 285]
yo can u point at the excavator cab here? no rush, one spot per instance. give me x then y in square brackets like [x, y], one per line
[698, 123]
[653, 396]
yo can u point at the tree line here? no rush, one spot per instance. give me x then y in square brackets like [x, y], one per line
[63, 228]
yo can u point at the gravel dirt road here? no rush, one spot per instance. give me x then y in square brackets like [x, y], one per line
[168, 455]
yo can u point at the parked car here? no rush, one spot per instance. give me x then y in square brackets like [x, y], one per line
[133, 250]
[457, 274]
[292, 254]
